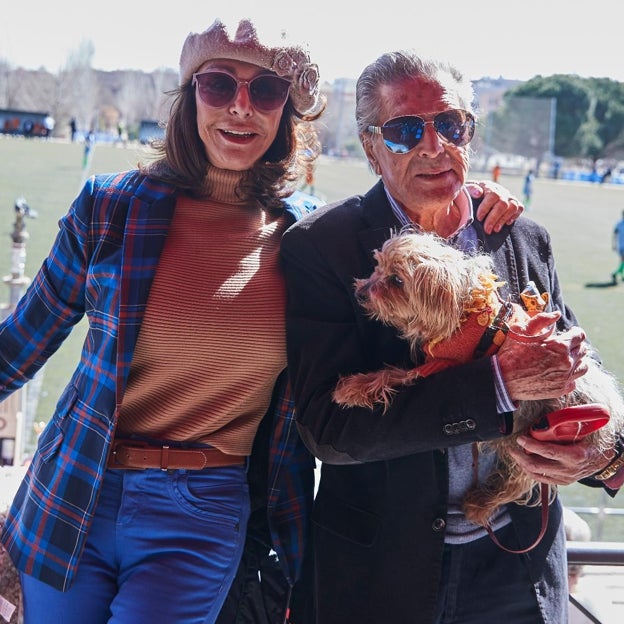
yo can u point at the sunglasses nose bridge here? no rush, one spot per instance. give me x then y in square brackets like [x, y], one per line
[430, 140]
[241, 100]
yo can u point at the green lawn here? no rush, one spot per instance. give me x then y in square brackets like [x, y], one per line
[579, 216]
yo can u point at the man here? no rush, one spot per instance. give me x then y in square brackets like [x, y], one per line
[391, 542]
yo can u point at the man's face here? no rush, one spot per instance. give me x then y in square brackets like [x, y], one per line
[430, 175]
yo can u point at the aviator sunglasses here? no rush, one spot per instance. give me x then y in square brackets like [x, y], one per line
[218, 88]
[402, 134]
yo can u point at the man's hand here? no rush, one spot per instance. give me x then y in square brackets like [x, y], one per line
[559, 464]
[498, 207]
[542, 368]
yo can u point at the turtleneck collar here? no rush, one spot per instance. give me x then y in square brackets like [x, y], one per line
[223, 184]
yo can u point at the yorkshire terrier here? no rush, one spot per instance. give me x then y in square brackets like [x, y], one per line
[446, 304]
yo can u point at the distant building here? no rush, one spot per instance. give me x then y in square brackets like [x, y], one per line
[24, 123]
[338, 130]
[149, 131]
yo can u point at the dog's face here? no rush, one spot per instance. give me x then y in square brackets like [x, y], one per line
[421, 286]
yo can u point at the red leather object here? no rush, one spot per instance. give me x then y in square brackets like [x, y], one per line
[570, 423]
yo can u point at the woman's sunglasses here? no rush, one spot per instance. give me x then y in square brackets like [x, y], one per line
[218, 88]
[402, 134]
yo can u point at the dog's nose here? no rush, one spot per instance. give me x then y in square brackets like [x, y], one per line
[362, 291]
[361, 296]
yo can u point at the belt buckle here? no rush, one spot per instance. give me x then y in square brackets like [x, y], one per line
[114, 449]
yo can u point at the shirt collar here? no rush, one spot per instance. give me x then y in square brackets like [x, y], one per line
[463, 200]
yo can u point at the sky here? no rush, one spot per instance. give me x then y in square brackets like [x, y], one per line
[514, 39]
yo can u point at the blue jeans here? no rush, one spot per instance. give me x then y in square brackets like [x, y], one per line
[482, 584]
[164, 546]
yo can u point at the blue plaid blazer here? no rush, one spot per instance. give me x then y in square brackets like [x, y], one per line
[102, 264]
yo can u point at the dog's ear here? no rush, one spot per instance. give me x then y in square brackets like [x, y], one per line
[434, 301]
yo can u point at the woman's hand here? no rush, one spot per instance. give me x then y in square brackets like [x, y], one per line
[498, 208]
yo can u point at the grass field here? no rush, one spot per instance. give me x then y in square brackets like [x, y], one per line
[580, 217]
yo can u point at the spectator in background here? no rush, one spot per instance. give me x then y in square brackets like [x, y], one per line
[527, 189]
[309, 178]
[606, 176]
[618, 246]
[122, 134]
[496, 171]
[89, 143]
[577, 530]
[48, 124]
[72, 128]
[28, 128]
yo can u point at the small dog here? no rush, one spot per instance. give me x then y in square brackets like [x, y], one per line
[446, 304]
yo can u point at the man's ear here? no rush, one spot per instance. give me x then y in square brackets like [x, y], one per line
[368, 150]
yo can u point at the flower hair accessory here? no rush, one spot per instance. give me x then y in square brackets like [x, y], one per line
[287, 61]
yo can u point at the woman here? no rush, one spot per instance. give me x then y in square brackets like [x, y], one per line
[139, 487]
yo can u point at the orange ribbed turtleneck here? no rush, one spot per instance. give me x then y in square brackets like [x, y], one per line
[212, 341]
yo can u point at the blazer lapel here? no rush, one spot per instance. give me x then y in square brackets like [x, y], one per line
[377, 213]
[499, 246]
[147, 223]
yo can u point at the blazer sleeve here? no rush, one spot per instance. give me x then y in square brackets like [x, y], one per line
[328, 335]
[52, 304]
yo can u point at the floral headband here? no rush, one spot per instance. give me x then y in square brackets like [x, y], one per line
[291, 62]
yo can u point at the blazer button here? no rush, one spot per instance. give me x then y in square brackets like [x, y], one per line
[438, 524]
[451, 429]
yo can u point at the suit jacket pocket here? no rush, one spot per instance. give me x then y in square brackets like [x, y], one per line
[346, 521]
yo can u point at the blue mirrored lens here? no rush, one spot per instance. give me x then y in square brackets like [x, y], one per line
[402, 134]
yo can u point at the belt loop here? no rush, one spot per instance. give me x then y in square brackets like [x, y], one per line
[164, 457]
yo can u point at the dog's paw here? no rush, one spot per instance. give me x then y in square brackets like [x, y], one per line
[364, 390]
[356, 391]
[370, 389]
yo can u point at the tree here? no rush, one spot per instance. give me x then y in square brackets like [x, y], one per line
[589, 113]
[609, 112]
[7, 85]
[79, 88]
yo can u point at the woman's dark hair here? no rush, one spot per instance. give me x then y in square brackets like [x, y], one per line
[181, 157]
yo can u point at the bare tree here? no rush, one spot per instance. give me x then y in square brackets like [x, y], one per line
[78, 87]
[11, 87]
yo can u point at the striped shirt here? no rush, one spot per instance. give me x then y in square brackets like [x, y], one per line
[212, 342]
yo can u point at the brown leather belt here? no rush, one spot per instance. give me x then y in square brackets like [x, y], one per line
[138, 456]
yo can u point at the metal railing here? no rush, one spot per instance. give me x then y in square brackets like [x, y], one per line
[596, 553]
